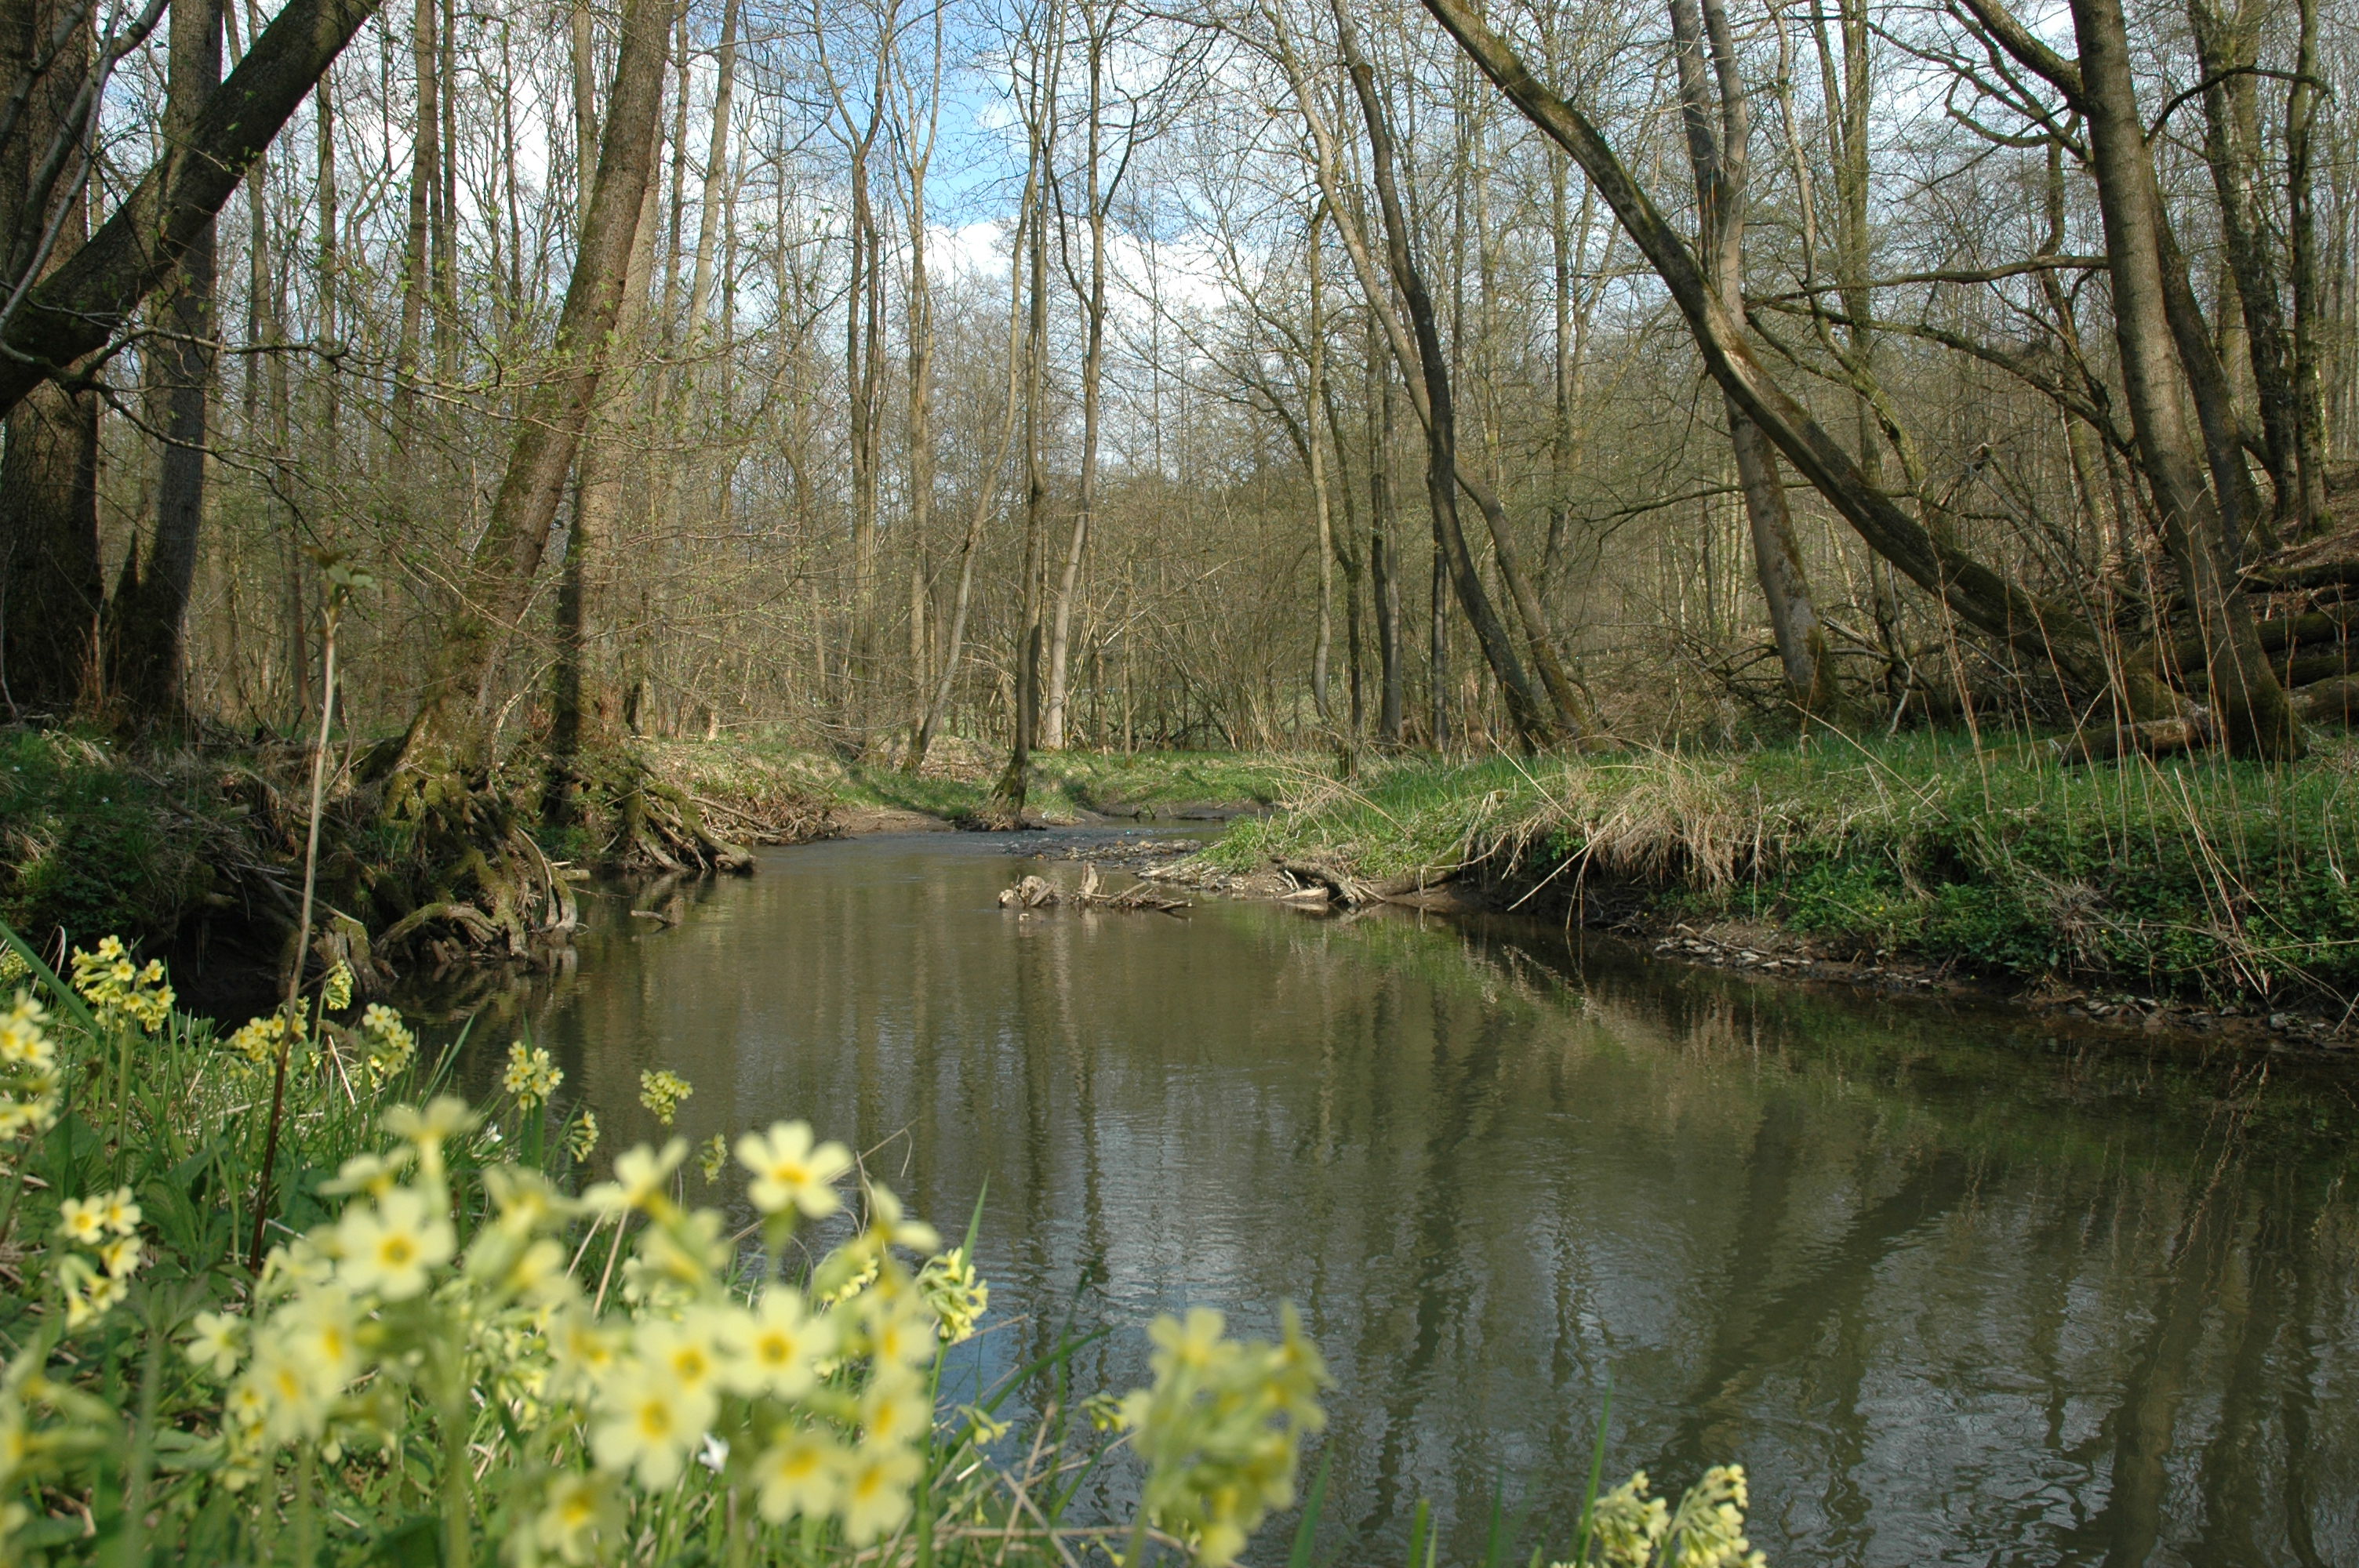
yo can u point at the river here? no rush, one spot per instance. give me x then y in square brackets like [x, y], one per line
[1954, 1288]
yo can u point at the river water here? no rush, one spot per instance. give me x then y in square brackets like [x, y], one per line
[1953, 1289]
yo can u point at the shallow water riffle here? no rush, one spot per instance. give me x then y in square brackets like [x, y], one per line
[1953, 1287]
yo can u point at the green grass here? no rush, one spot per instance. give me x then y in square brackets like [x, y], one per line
[2189, 875]
[959, 780]
[91, 842]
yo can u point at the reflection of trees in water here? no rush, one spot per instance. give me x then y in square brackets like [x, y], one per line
[1940, 1282]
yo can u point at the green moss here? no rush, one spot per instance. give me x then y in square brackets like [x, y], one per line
[90, 843]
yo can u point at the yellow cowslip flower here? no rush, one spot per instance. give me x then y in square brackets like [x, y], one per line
[444, 1118]
[13, 966]
[391, 1245]
[640, 1175]
[784, 1344]
[801, 1474]
[583, 1138]
[694, 1352]
[1220, 1430]
[530, 1076]
[899, 1329]
[889, 1226]
[24, 1040]
[336, 990]
[956, 1294]
[712, 1156]
[788, 1171]
[1627, 1525]
[390, 1044]
[118, 990]
[681, 1249]
[894, 1408]
[219, 1341]
[257, 1038]
[662, 1092]
[82, 1220]
[647, 1424]
[877, 1480]
[120, 1257]
[320, 1328]
[375, 1174]
[583, 1351]
[17, 1116]
[525, 1198]
[575, 1516]
[120, 1213]
[1707, 1530]
[97, 1297]
[286, 1393]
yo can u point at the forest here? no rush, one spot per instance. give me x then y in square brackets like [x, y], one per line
[1082, 374]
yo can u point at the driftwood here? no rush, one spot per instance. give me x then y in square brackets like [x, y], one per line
[1346, 889]
[1038, 892]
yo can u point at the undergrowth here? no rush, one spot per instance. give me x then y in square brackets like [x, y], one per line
[2189, 875]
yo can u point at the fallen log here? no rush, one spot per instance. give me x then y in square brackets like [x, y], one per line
[2153, 738]
[1038, 892]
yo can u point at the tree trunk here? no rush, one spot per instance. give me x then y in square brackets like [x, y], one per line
[50, 586]
[2228, 48]
[986, 488]
[2050, 633]
[1720, 156]
[2254, 712]
[149, 610]
[1016, 780]
[1052, 722]
[425, 183]
[1525, 713]
[500, 571]
[2302, 204]
[1571, 711]
[1322, 646]
[1384, 564]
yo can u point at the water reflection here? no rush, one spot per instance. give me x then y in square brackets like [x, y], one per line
[1953, 1290]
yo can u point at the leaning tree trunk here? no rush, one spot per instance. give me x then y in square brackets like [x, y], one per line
[1718, 156]
[2051, 634]
[497, 583]
[2254, 713]
[1525, 713]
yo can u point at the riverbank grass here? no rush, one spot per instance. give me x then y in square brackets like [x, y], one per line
[958, 778]
[2192, 875]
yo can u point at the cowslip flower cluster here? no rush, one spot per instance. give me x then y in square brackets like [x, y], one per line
[101, 1251]
[662, 1091]
[30, 1080]
[1220, 1430]
[258, 1040]
[336, 989]
[387, 1042]
[808, 1400]
[530, 1075]
[120, 992]
[1631, 1530]
[583, 1137]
